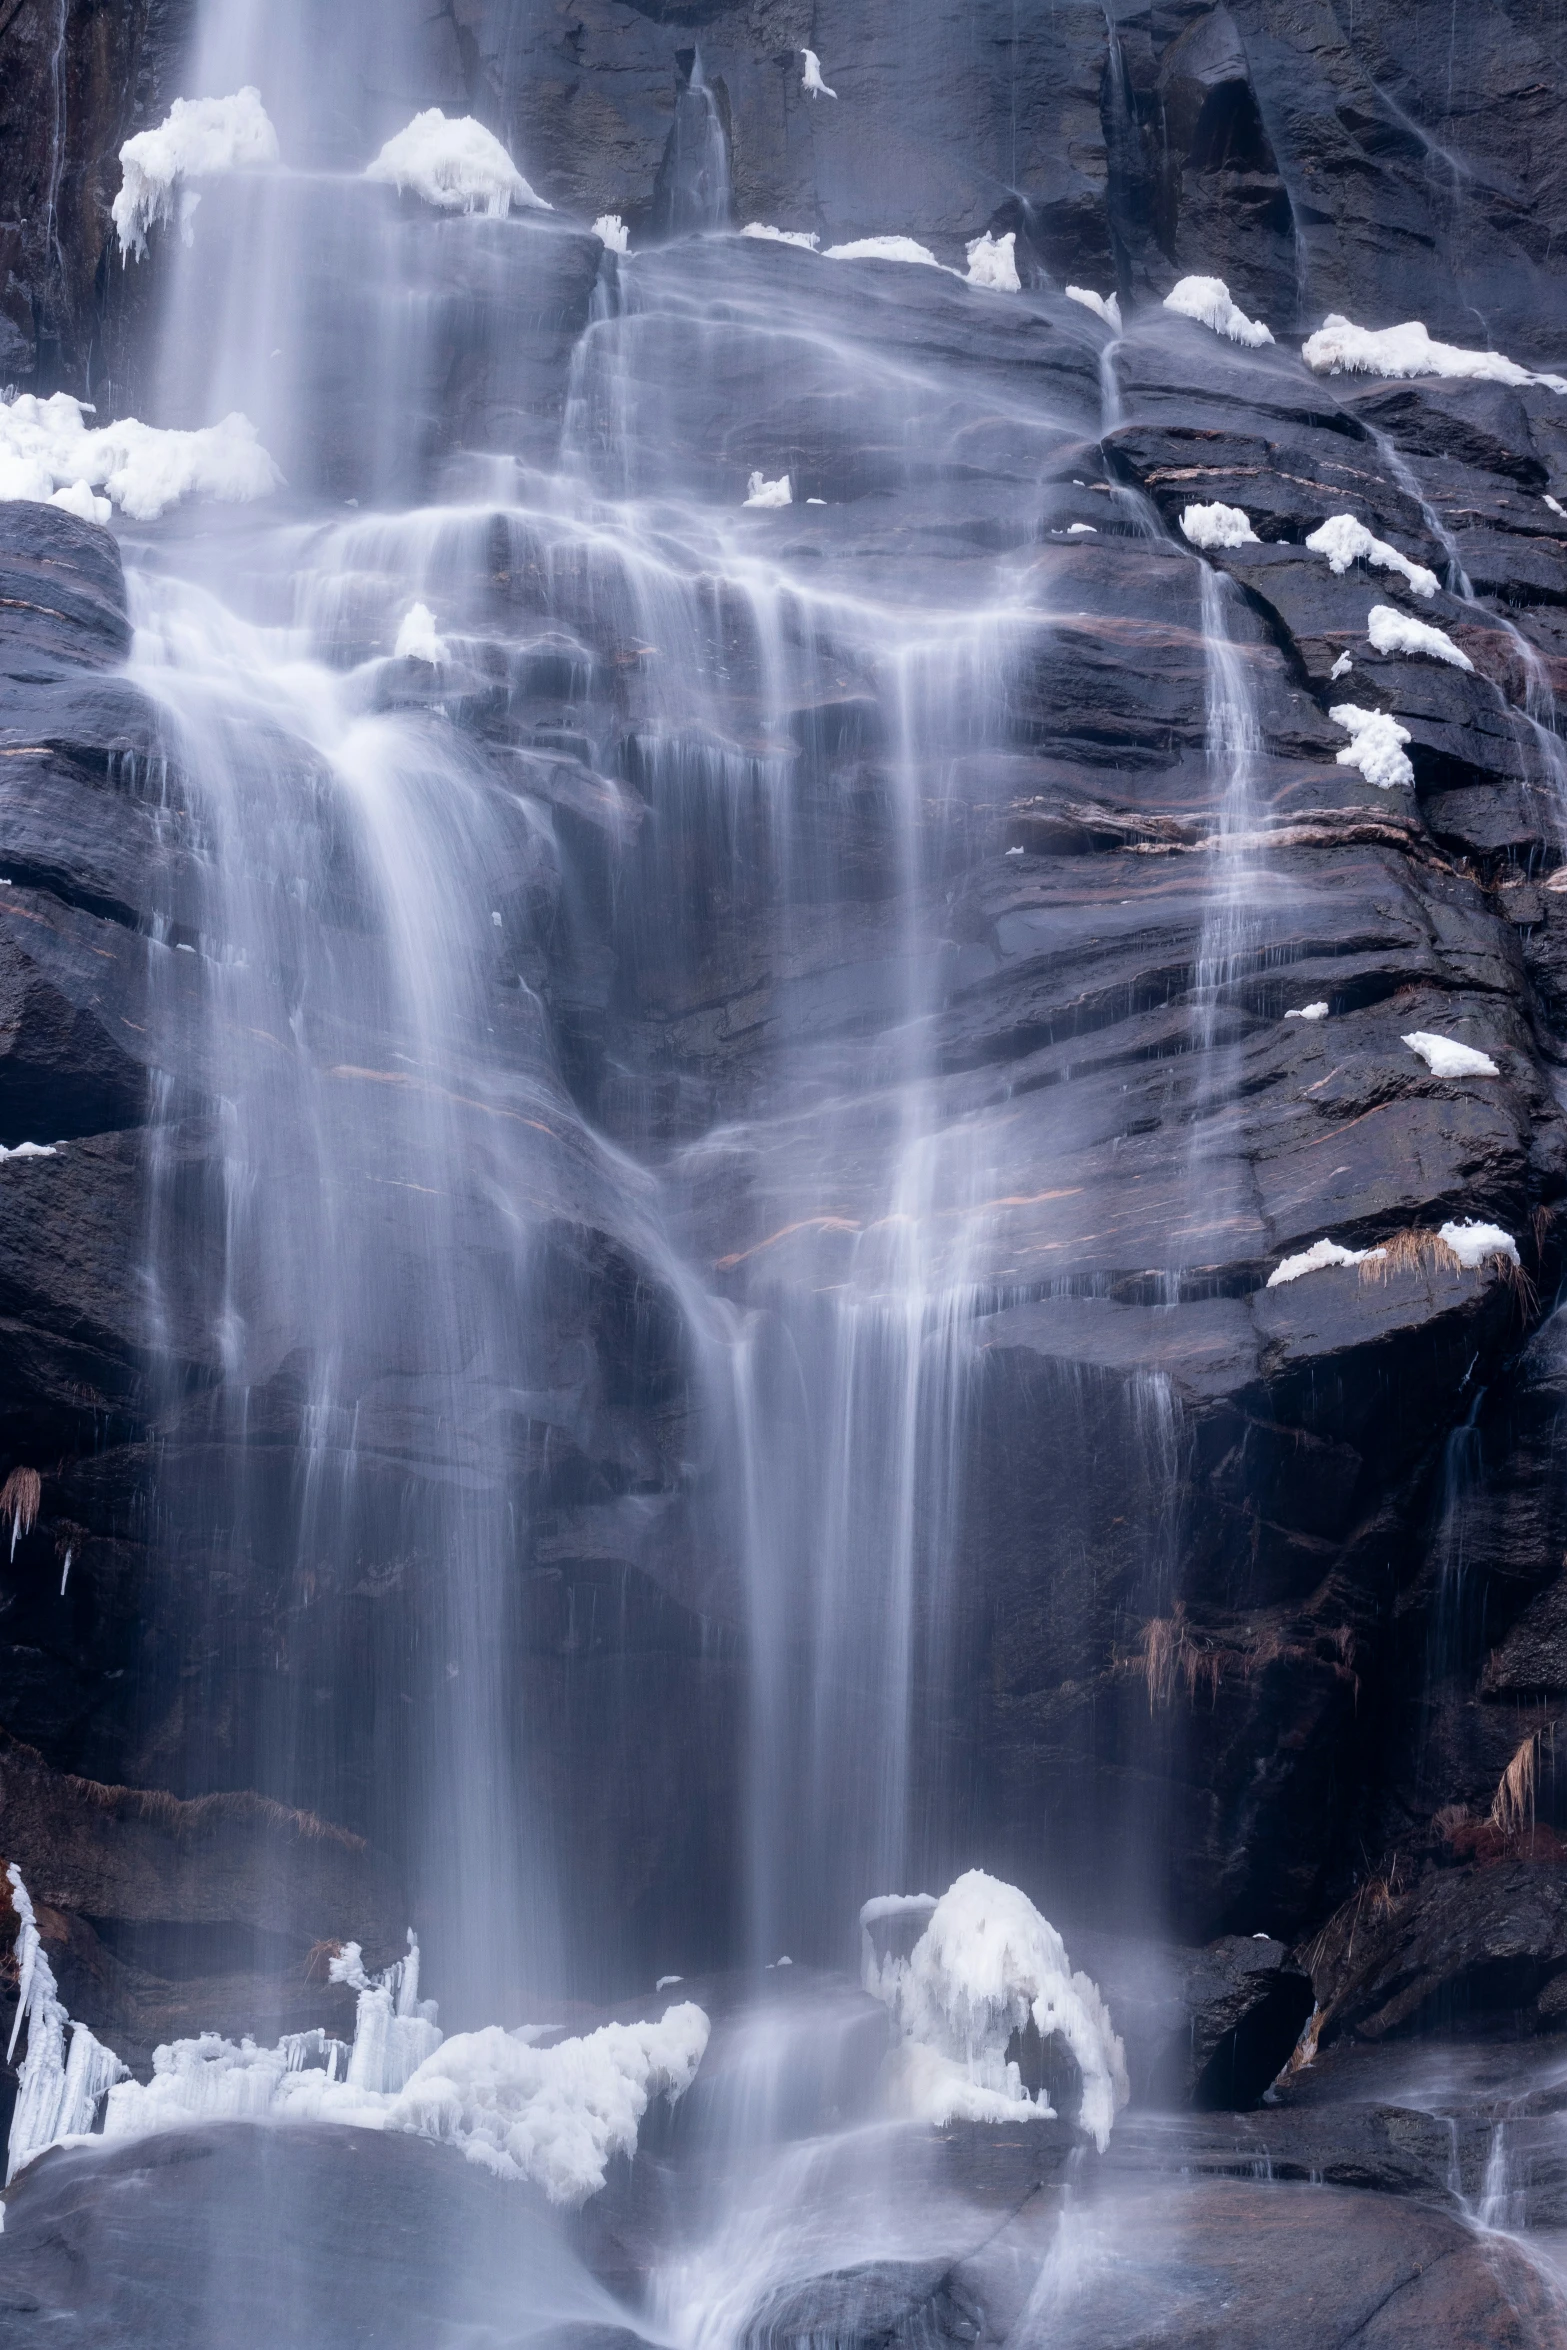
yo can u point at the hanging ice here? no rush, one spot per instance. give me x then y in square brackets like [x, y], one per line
[1207, 300]
[1444, 1056]
[1376, 747]
[985, 1966]
[57, 2093]
[811, 79]
[1339, 347]
[1218, 526]
[1396, 632]
[46, 447]
[454, 163]
[1345, 541]
[1105, 306]
[196, 139]
[992, 262]
[394, 2029]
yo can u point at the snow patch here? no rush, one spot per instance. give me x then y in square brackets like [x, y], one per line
[57, 2093]
[1395, 632]
[1376, 747]
[886, 249]
[768, 493]
[454, 163]
[1218, 526]
[417, 639]
[811, 79]
[1555, 507]
[1339, 347]
[992, 262]
[1081, 530]
[1472, 1242]
[1317, 1259]
[1341, 668]
[46, 447]
[806, 238]
[27, 1150]
[612, 232]
[1105, 306]
[1444, 1056]
[1345, 541]
[1207, 300]
[198, 138]
[986, 1965]
[1317, 1011]
[76, 498]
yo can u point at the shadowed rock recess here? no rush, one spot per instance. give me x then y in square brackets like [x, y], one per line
[1238, 1632]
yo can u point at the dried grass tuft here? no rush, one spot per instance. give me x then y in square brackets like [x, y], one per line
[1172, 1654]
[1512, 1806]
[20, 1499]
[318, 1961]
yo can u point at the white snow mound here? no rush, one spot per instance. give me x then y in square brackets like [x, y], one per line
[1309, 1012]
[885, 249]
[1218, 526]
[612, 232]
[768, 493]
[1345, 541]
[26, 1150]
[1341, 667]
[811, 78]
[985, 1964]
[198, 138]
[1396, 632]
[46, 446]
[1317, 1259]
[1472, 1242]
[806, 238]
[1444, 1056]
[1339, 347]
[1376, 747]
[1207, 300]
[455, 163]
[992, 262]
[418, 639]
[1105, 306]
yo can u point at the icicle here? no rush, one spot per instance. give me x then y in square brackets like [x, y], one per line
[57, 2096]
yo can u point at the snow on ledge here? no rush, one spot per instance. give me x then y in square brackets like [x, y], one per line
[1345, 541]
[1317, 1259]
[1376, 747]
[454, 163]
[992, 262]
[1318, 1011]
[198, 138]
[28, 1150]
[887, 249]
[1207, 300]
[1339, 347]
[1396, 632]
[47, 448]
[768, 493]
[1444, 1056]
[1218, 526]
[1472, 1242]
[985, 1964]
[1105, 306]
[806, 238]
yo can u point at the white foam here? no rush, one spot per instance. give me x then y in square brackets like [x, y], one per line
[806, 238]
[992, 262]
[417, 638]
[886, 249]
[1105, 306]
[1207, 300]
[1472, 1242]
[1376, 746]
[1396, 632]
[985, 1965]
[768, 493]
[612, 232]
[1444, 1056]
[1345, 541]
[1218, 526]
[47, 446]
[454, 163]
[1317, 1259]
[1341, 348]
[811, 79]
[198, 138]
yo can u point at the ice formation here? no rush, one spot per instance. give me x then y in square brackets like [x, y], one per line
[198, 138]
[417, 639]
[1376, 746]
[1218, 526]
[806, 238]
[884, 249]
[1207, 300]
[1317, 1258]
[27, 1150]
[1318, 1011]
[1079, 530]
[992, 262]
[811, 79]
[1444, 1056]
[1343, 665]
[1339, 347]
[1345, 541]
[1395, 632]
[1105, 306]
[553, 2116]
[1555, 506]
[46, 447]
[768, 493]
[455, 163]
[986, 1965]
[612, 232]
[1472, 1242]
[57, 2093]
